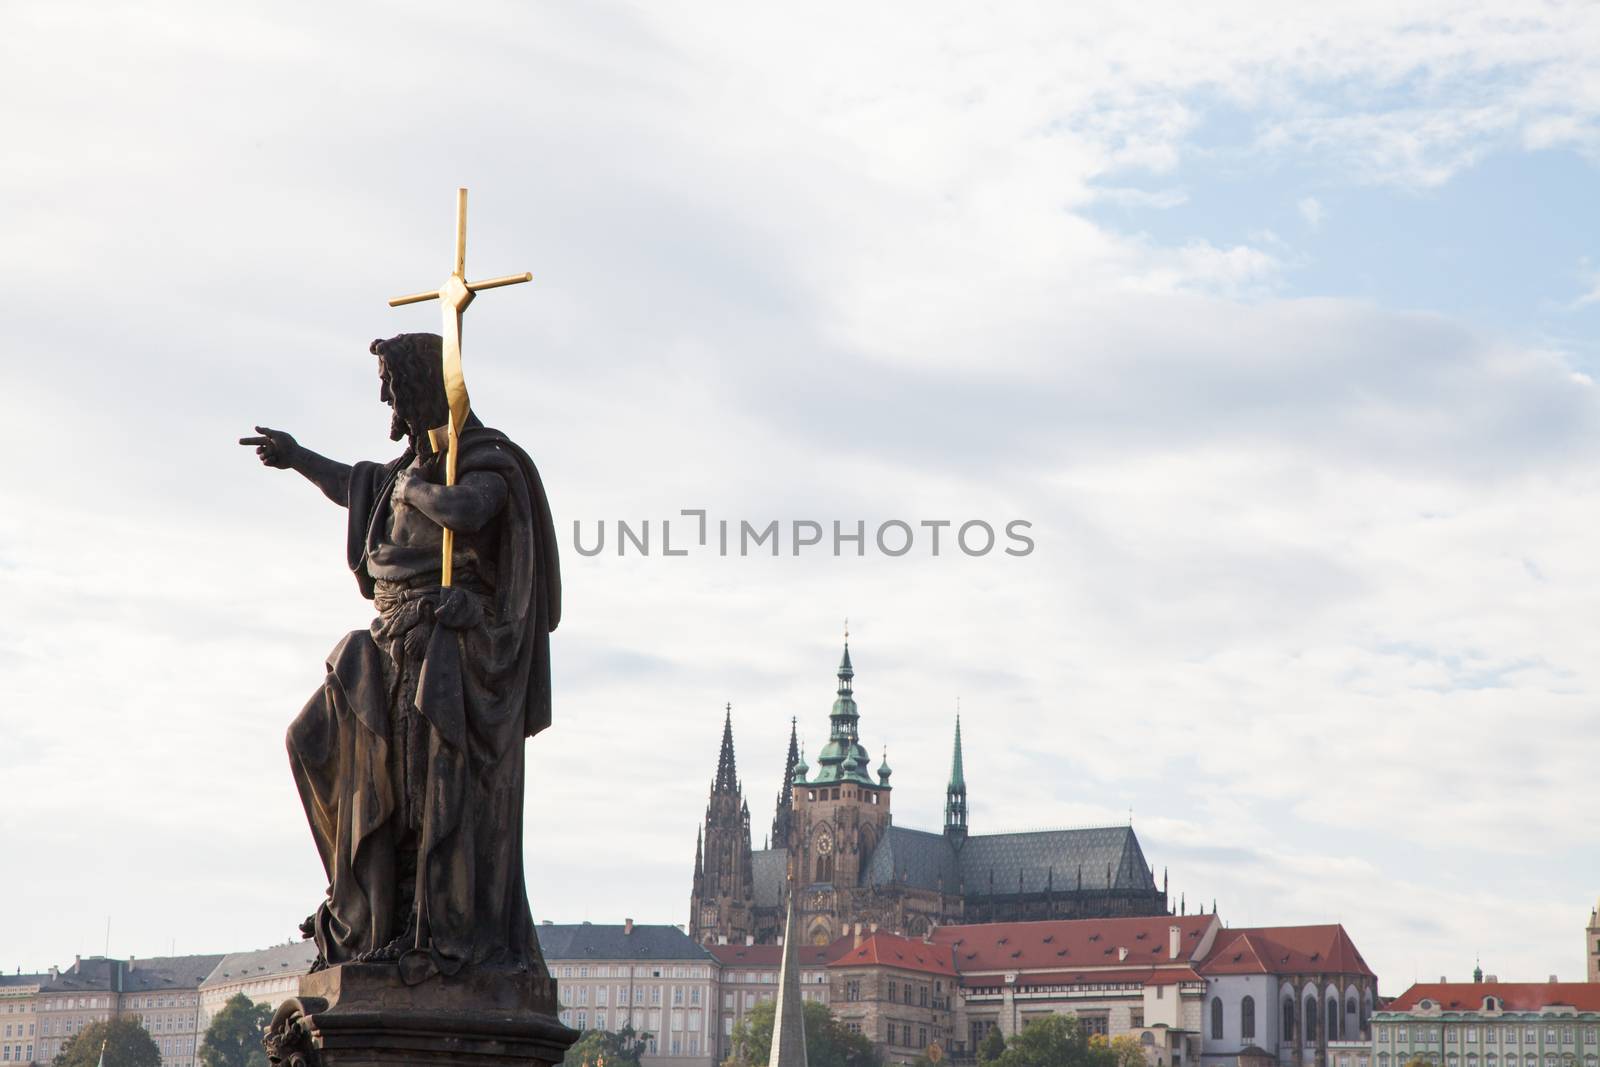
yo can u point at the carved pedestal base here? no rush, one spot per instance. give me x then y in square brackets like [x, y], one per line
[363, 1015]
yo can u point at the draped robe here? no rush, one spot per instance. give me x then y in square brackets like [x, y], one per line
[409, 757]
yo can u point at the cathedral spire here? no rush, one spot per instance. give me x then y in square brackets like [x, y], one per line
[955, 796]
[727, 778]
[785, 807]
[843, 757]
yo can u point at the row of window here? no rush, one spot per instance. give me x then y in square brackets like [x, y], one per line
[19, 1032]
[1452, 1059]
[1493, 1035]
[900, 1034]
[620, 970]
[15, 1053]
[572, 995]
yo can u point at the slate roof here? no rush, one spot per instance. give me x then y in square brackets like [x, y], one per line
[167, 972]
[1325, 949]
[611, 941]
[1515, 996]
[769, 868]
[295, 957]
[913, 857]
[1078, 944]
[100, 974]
[23, 979]
[1027, 862]
[97, 973]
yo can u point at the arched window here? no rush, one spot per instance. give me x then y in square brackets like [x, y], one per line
[1333, 1018]
[1311, 1019]
[1288, 1020]
[1247, 1019]
[1216, 1018]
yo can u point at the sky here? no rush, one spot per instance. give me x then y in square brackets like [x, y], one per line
[1275, 322]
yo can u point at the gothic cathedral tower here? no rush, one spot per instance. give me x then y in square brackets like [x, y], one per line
[835, 821]
[721, 904]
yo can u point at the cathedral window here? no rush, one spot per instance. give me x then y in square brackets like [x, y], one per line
[1216, 1018]
[1247, 1018]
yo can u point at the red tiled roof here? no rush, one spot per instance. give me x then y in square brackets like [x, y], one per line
[1514, 996]
[772, 955]
[1284, 950]
[1118, 975]
[1072, 943]
[891, 950]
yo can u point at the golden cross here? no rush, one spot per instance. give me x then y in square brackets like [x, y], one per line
[454, 295]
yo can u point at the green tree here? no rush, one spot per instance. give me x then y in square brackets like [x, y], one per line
[1053, 1041]
[993, 1045]
[828, 1043]
[1126, 1052]
[234, 1037]
[126, 1044]
[620, 1049]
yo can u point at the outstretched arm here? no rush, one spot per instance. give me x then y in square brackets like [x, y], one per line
[466, 506]
[279, 449]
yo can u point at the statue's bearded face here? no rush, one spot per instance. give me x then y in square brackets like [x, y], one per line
[399, 424]
[411, 382]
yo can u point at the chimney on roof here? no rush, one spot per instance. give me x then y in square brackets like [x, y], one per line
[1122, 953]
[749, 940]
[1554, 979]
[54, 972]
[627, 926]
[1491, 978]
[858, 937]
[1174, 940]
[722, 939]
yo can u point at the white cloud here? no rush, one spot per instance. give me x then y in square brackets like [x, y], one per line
[1311, 210]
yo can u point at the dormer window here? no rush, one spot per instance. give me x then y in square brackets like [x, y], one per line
[1490, 1004]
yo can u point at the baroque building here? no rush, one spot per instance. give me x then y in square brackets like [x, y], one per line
[835, 842]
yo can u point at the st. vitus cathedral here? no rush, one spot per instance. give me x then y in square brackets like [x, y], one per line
[851, 863]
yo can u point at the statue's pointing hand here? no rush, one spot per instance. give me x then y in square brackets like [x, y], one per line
[274, 447]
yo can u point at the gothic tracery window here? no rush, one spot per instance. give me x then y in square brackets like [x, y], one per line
[1247, 1019]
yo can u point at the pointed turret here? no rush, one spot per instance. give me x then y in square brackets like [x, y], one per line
[727, 776]
[955, 797]
[843, 757]
[785, 807]
[723, 894]
[789, 1018]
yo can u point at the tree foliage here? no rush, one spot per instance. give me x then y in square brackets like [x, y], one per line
[1126, 1051]
[126, 1043]
[828, 1043]
[597, 1047]
[993, 1045]
[234, 1037]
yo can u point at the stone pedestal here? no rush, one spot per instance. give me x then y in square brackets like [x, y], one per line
[363, 1015]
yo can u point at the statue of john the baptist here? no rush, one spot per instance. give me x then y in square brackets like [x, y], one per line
[409, 756]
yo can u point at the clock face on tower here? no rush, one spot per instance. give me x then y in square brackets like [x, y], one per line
[824, 842]
[819, 901]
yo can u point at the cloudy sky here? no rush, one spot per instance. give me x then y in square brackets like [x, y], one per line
[1279, 327]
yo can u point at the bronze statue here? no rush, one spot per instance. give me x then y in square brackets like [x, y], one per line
[409, 757]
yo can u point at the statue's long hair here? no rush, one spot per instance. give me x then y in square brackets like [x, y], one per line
[416, 381]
